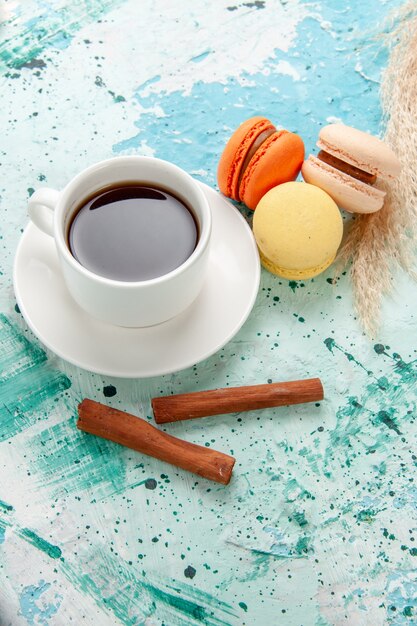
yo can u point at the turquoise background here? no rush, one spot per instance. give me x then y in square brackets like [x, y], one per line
[317, 526]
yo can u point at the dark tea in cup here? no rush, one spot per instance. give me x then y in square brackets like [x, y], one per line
[132, 232]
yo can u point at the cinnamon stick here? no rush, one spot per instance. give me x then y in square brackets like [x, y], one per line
[187, 406]
[136, 433]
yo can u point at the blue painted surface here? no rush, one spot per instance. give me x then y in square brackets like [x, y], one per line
[33, 608]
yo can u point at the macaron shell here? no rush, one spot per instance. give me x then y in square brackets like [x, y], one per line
[349, 193]
[289, 274]
[277, 161]
[298, 229]
[235, 151]
[359, 149]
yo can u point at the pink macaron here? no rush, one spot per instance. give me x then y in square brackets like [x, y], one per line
[348, 167]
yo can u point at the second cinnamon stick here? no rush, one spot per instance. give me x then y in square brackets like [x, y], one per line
[235, 399]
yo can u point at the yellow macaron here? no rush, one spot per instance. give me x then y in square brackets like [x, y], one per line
[298, 229]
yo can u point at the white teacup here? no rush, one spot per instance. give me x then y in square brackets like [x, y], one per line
[133, 304]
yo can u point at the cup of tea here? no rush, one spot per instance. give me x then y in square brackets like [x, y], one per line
[132, 235]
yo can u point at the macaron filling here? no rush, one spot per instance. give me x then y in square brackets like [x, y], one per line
[347, 168]
[259, 141]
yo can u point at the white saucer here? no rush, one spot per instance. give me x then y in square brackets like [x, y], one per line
[223, 305]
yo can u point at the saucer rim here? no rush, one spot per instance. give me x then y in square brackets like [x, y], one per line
[161, 371]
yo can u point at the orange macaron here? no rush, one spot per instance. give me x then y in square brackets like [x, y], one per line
[256, 158]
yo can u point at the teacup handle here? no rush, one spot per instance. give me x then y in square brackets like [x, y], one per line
[41, 208]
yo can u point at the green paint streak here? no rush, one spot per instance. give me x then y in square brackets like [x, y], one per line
[302, 546]
[134, 598]
[201, 597]
[26, 380]
[24, 40]
[388, 535]
[399, 363]
[187, 607]
[382, 468]
[299, 517]
[243, 606]
[40, 544]
[313, 458]
[117, 99]
[366, 515]
[23, 394]
[332, 345]
[385, 418]
[5, 507]
[17, 353]
[124, 485]
[260, 567]
[71, 461]
[123, 603]
[358, 423]
[294, 491]
[4, 523]
[347, 429]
